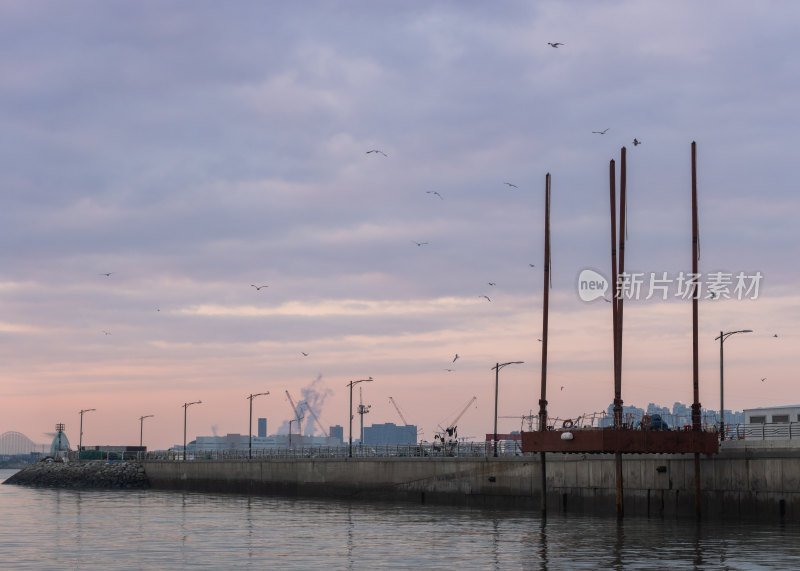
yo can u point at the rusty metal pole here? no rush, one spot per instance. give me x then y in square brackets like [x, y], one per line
[616, 326]
[545, 306]
[695, 348]
[621, 253]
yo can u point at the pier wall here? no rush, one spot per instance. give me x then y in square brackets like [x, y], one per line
[741, 481]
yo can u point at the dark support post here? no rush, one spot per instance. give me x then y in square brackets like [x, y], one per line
[695, 348]
[545, 307]
[615, 311]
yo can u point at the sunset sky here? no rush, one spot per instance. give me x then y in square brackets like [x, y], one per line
[192, 150]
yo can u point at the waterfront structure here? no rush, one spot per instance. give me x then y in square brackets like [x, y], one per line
[389, 434]
[262, 427]
[60, 446]
[336, 435]
[772, 423]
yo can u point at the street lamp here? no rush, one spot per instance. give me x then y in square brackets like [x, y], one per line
[250, 446]
[141, 427]
[80, 435]
[350, 384]
[186, 405]
[722, 337]
[497, 368]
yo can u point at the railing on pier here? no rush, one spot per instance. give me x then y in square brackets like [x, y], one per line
[461, 449]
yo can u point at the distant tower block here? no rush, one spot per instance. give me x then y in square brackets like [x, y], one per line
[262, 427]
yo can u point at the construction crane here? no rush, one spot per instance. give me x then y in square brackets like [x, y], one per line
[403, 418]
[314, 416]
[449, 435]
[297, 418]
[397, 408]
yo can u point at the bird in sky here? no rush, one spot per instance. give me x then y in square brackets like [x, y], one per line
[106, 332]
[418, 243]
[539, 340]
[485, 296]
[492, 283]
[107, 274]
[764, 379]
[775, 335]
[636, 142]
[511, 185]
[603, 132]
[554, 44]
[562, 387]
[434, 193]
[455, 358]
[449, 370]
[532, 265]
[258, 288]
[377, 151]
[304, 354]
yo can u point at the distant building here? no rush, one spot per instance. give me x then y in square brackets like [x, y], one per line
[337, 435]
[772, 423]
[389, 434]
[262, 427]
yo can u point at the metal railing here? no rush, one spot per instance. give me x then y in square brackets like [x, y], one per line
[764, 431]
[460, 449]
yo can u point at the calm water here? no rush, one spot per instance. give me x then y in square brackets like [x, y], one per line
[65, 529]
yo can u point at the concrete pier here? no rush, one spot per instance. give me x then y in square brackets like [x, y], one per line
[745, 480]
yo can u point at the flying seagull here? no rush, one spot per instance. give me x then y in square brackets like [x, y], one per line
[492, 283]
[554, 44]
[449, 370]
[636, 142]
[532, 265]
[377, 151]
[107, 274]
[775, 335]
[562, 387]
[258, 288]
[455, 358]
[304, 353]
[603, 132]
[434, 192]
[418, 243]
[486, 296]
[764, 379]
[511, 185]
[106, 332]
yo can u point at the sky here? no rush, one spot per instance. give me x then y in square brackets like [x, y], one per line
[159, 160]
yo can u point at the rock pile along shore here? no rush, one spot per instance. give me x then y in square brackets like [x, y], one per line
[97, 475]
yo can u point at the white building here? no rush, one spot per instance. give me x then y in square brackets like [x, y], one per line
[772, 423]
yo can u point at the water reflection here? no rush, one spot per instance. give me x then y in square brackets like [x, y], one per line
[57, 528]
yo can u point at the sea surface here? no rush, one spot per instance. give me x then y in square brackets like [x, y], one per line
[151, 529]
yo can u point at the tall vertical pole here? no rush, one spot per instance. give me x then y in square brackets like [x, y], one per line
[695, 337]
[621, 253]
[185, 407]
[721, 392]
[80, 438]
[545, 308]
[350, 453]
[496, 386]
[615, 296]
[250, 425]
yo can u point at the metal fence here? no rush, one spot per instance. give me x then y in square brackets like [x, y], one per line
[764, 431]
[460, 449]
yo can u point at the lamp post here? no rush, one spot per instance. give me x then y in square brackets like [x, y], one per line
[186, 405]
[722, 337]
[350, 384]
[497, 368]
[141, 427]
[80, 435]
[250, 445]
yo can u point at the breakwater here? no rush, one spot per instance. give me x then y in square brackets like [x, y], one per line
[742, 481]
[99, 475]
